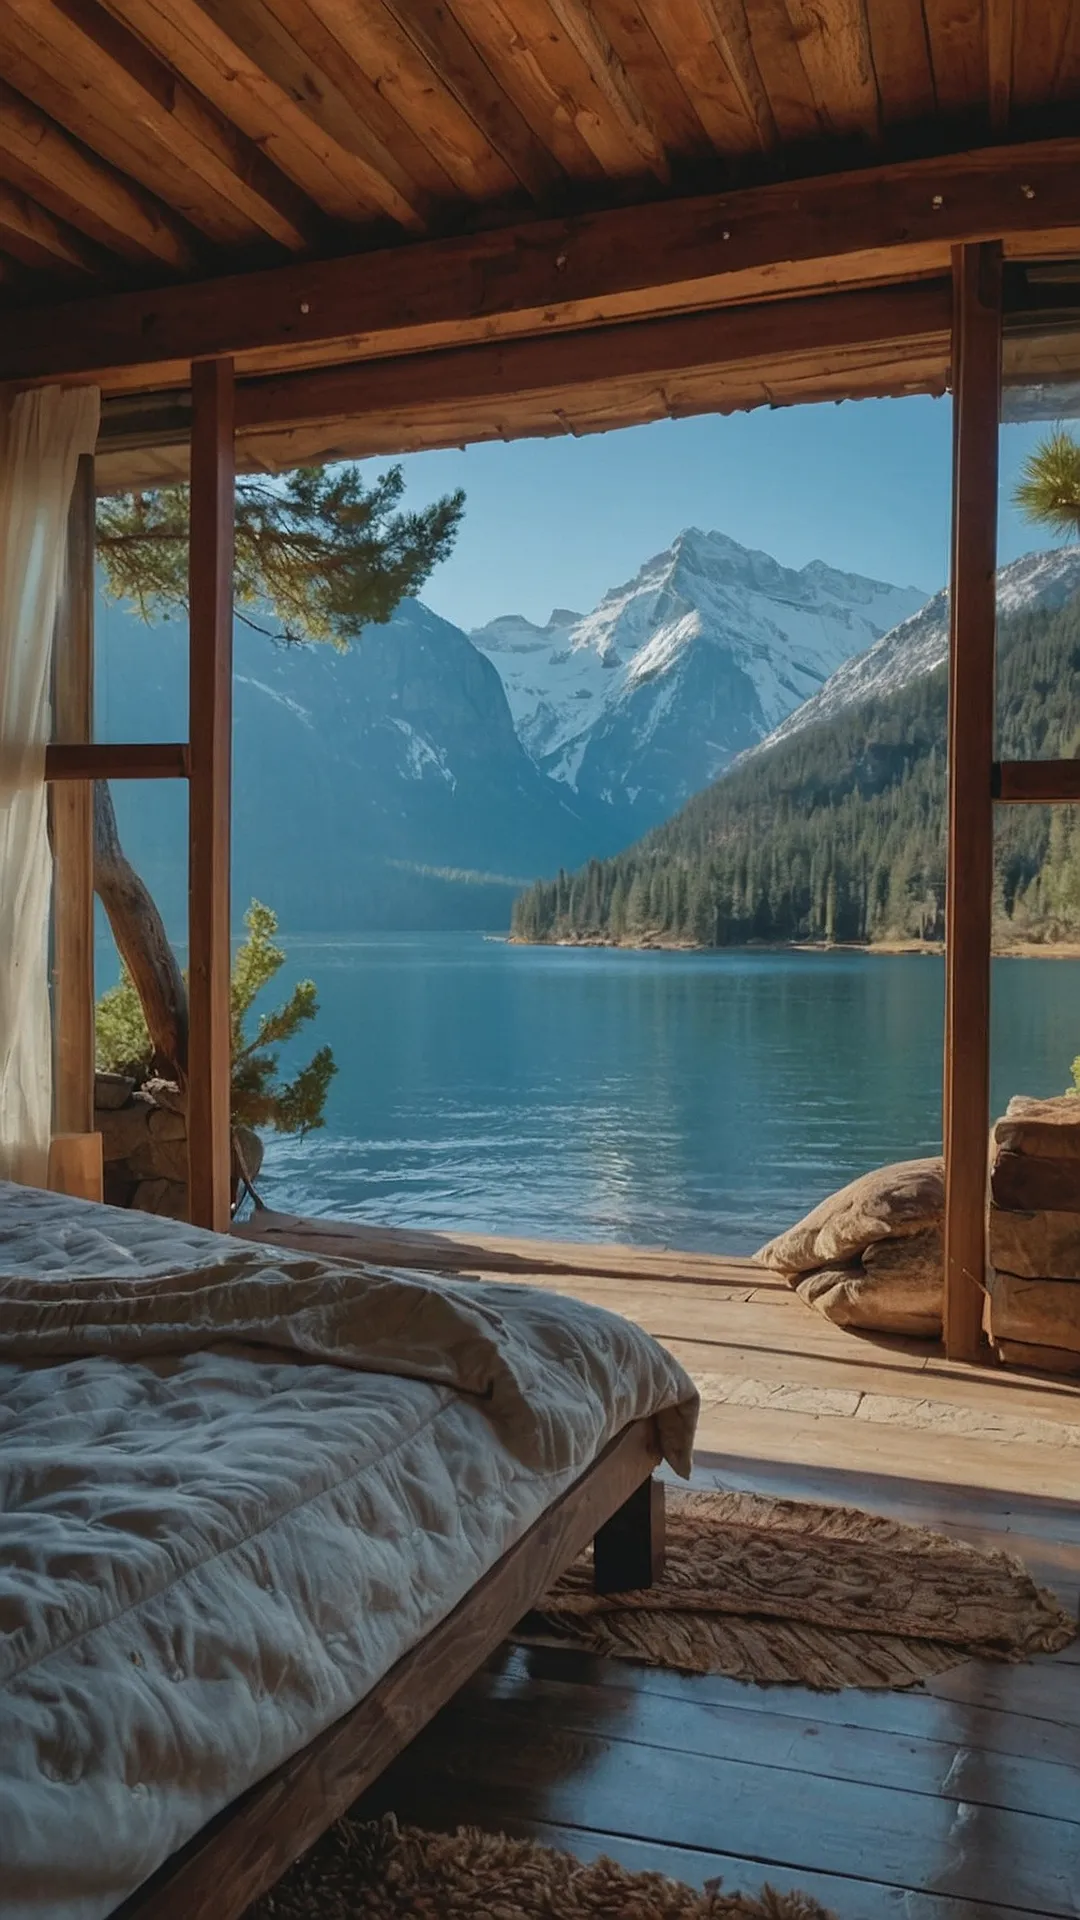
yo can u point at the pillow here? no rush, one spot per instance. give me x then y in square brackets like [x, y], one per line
[891, 1203]
[898, 1287]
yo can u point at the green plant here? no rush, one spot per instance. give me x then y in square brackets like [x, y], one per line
[259, 1098]
[1049, 490]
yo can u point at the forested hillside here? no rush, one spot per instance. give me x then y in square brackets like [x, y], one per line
[839, 832]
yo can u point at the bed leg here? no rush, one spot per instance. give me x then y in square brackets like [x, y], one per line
[628, 1551]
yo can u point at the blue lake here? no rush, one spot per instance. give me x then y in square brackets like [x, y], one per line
[699, 1100]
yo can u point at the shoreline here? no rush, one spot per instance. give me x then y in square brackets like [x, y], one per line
[1012, 950]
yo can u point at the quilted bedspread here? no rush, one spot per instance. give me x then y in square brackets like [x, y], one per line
[236, 1484]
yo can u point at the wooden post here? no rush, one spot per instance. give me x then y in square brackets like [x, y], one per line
[72, 819]
[969, 891]
[210, 733]
[75, 1165]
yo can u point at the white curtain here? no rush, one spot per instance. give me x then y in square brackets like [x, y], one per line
[42, 435]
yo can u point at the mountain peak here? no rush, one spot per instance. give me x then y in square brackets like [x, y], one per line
[682, 667]
[919, 644]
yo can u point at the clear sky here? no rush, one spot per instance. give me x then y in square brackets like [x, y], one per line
[863, 485]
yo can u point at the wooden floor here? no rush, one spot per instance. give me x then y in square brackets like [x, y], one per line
[958, 1801]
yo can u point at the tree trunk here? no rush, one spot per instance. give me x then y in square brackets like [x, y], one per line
[142, 941]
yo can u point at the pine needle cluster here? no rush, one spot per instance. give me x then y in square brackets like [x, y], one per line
[259, 1097]
[329, 554]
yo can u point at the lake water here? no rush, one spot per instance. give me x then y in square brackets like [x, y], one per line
[696, 1100]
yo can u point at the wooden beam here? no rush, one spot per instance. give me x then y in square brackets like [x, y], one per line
[546, 273]
[210, 777]
[970, 874]
[127, 88]
[73, 183]
[248, 1847]
[72, 819]
[1037, 783]
[562, 363]
[157, 760]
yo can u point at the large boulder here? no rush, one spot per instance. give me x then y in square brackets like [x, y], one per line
[871, 1256]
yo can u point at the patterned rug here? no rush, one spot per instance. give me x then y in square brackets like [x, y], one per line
[814, 1596]
[377, 1871]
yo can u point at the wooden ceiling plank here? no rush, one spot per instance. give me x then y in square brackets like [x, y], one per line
[529, 40]
[822, 324]
[405, 78]
[370, 137]
[776, 51]
[686, 31]
[540, 274]
[517, 75]
[901, 57]
[956, 30]
[139, 82]
[333, 41]
[1067, 75]
[47, 73]
[585, 30]
[53, 241]
[190, 42]
[1000, 19]
[451, 54]
[730, 30]
[1041, 33]
[833, 39]
[80, 188]
[672, 109]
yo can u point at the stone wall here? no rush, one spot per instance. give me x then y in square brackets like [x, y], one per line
[144, 1144]
[1033, 1313]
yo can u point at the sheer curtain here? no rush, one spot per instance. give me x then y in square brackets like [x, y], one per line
[42, 435]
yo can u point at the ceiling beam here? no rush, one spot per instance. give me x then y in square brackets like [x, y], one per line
[560, 364]
[553, 272]
[84, 190]
[127, 86]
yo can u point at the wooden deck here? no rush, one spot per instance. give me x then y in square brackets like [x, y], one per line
[957, 1801]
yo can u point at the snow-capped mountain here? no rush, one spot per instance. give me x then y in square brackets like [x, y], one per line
[920, 644]
[643, 701]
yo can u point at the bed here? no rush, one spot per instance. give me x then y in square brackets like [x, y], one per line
[260, 1514]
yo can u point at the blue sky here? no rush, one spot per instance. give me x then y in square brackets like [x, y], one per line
[863, 485]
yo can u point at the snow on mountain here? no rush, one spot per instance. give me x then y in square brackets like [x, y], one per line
[920, 644]
[642, 701]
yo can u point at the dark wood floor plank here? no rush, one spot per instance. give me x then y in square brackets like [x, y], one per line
[848, 1899]
[778, 1739]
[915, 1713]
[774, 1815]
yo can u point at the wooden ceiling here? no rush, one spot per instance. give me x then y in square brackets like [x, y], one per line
[157, 144]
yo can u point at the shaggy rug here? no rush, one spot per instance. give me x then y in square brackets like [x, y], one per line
[814, 1596]
[377, 1871]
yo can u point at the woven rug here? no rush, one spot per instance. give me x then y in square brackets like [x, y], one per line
[814, 1596]
[378, 1871]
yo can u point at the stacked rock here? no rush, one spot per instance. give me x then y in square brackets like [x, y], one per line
[1033, 1283]
[144, 1144]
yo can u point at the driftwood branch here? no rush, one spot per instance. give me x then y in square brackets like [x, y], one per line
[141, 940]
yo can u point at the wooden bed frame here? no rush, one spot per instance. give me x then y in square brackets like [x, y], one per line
[248, 1846]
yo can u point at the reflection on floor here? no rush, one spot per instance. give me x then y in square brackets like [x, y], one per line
[957, 1801]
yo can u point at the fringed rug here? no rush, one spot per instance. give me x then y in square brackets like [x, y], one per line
[378, 1871]
[814, 1596]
